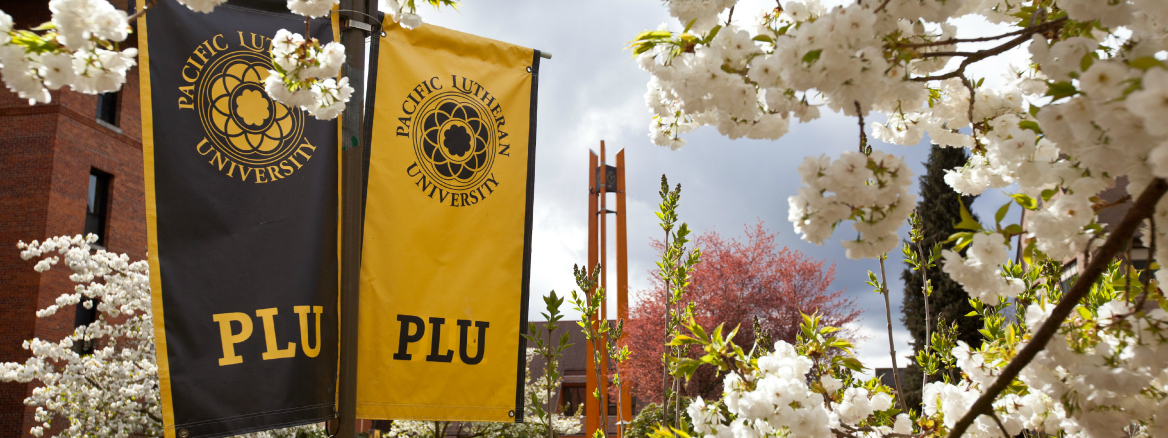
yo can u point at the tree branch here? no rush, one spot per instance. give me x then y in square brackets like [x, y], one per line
[972, 57]
[863, 136]
[1144, 207]
[952, 41]
[999, 422]
[972, 125]
[138, 14]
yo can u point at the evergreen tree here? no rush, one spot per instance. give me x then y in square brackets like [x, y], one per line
[939, 211]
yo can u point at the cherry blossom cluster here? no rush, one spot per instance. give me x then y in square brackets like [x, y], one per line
[781, 396]
[304, 72]
[980, 272]
[404, 13]
[78, 48]
[112, 391]
[870, 189]
[1102, 376]
[1106, 368]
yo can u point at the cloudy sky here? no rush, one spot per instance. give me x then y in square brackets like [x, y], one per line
[592, 90]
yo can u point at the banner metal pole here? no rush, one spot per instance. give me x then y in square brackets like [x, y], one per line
[352, 192]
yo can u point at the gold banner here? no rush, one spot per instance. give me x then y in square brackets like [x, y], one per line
[447, 241]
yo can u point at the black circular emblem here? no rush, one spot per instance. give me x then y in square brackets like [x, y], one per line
[455, 140]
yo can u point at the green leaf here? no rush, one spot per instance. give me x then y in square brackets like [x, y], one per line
[699, 331]
[967, 221]
[1084, 312]
[683, 340]
[852, 363]
[1146, 62]
[652, 35]
[687, 367]
[1013, 229]
[1087, 60]
[812, 56]
[1025, 201]
[713, 33]
[1030, 124]
[963, 241]
[764, 38]
[1001, 214]
[1059, 90]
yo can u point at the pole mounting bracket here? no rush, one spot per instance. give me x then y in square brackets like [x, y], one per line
[354, 24]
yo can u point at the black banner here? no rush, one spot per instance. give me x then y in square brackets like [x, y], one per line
[242, 222]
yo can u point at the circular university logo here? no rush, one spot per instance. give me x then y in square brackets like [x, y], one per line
[239, 118]
[455, 140]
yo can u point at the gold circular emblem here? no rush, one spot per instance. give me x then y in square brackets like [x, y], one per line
[240, 120]
[455, 141]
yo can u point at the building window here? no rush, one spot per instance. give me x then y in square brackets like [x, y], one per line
[97, 205]
[84, 317]
[572, 398]
[107, 108]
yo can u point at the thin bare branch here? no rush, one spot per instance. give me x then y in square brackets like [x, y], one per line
[1103, 205]
[999, 422]
[972, 126]
[891, 344]
[138, 14]
[972, 57]
[1148, 265]
[863, 136]
[951, 41]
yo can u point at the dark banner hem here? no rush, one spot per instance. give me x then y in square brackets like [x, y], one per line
[526, 290]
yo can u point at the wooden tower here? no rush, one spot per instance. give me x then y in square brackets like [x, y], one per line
[602, 180]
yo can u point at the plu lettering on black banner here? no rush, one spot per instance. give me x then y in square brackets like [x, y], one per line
[447, 242]
[241, 196]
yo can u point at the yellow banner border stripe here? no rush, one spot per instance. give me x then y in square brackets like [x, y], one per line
[157, 316]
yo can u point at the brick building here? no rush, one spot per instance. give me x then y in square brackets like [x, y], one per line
[66, 167]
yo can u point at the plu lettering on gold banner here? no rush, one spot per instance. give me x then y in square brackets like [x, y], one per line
[412, 329]
[446, 256]
[230, 337]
